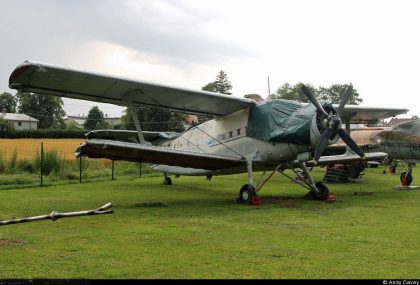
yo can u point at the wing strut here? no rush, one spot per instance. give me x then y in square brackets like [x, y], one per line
[134, 111]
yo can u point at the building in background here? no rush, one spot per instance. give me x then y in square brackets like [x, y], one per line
[80, 120]
[20, 121]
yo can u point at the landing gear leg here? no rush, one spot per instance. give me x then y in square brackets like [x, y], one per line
[317, 190]
[247, 191]
[167, 180]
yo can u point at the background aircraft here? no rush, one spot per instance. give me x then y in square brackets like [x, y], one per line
[400, 142]
[245, 135]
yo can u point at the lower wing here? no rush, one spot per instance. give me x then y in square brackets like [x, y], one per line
[348, 157]
[117, 150]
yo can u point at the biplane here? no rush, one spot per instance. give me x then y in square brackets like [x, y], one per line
[246, 134]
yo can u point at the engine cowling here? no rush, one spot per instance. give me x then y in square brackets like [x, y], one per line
[320, 124]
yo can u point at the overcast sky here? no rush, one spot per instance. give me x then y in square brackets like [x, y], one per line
[373, 44]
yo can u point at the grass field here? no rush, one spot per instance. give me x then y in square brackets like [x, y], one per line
[204, 233]
[27, 148]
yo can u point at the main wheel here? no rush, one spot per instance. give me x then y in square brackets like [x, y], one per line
[406, 179]
[167, 181]
[323, 191]
[354, 171]
[246, 193]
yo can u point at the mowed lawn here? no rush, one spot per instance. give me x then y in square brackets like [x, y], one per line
[204, 233]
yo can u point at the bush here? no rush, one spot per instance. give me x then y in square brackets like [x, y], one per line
[6, 126]
[3, 167]
[26, 165]
[13, 162]
[47, 133]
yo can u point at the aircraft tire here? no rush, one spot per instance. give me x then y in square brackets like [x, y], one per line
[354, 172]
[246, 194]
[167, 181]
[408, 179]
[323, 191]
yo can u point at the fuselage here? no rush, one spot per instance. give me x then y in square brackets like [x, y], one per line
[401, 141]
[230, 136]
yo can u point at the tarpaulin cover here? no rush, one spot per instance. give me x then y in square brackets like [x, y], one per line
[281, 121]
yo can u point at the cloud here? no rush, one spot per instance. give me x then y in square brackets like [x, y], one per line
[186, 42]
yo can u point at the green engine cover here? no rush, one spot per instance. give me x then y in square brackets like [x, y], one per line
[281, 121]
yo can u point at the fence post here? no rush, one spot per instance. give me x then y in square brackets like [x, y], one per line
[42, 163]
[113, 178]
[140, 168]
[80, 169]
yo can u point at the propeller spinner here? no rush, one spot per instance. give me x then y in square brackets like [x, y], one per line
[333, 124]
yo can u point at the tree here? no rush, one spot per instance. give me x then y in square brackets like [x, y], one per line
[47, 109]
[153, 119]
[95, 120]
[220, 85]
[335, 93]
[210, 87]
[332, 94]
[6, 125]
[292, 92]
[8, 102]
[72, 126]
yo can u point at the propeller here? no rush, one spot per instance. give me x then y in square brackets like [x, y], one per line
[345, 99]
[333, 124]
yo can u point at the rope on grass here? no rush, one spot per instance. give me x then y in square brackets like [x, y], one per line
[105, 209]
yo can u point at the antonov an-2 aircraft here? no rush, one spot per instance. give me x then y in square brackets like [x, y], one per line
[244, 136]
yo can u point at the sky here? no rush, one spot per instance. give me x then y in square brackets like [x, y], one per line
[375, 45]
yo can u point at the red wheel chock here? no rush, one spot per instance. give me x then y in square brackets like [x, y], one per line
[255, 201]
[330, 197]
[404, 181]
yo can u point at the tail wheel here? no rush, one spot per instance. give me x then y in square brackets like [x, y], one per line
[167, 181]
[246, 194]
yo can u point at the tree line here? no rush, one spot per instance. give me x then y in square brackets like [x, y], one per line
[50, 113]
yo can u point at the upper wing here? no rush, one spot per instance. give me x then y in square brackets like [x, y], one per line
[116, 150]
[363, 115]
[64, 82]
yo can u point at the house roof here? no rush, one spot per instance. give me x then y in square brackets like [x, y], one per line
[17, 117]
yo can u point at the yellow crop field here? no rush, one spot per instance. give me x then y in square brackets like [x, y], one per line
[28, 148]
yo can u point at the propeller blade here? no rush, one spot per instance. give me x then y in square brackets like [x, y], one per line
[325, 137]
[305, 90]
[350, 142]
[345, 99]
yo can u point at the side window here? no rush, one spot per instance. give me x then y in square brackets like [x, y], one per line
[230, 134]
[19, 124]
[238, 132]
